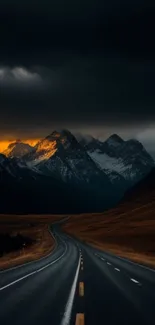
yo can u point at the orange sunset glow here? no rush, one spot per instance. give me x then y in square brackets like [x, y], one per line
[4, 143]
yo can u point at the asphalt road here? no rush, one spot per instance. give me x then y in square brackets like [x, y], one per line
[77, 284]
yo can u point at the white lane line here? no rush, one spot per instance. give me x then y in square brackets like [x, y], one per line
[134, 263]
[108, 263]
[69, 305]
[102, 259]
[135, 281]
[34, 272]
[116, 269]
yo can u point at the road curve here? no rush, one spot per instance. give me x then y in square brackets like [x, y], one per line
[77, 284]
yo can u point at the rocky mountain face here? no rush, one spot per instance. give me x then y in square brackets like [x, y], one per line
[71, 162]
[127, 159]
[61, 156]
[18, 150]
[11, 167]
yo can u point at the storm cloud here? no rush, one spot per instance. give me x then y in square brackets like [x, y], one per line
[18, 77]
[67, 64]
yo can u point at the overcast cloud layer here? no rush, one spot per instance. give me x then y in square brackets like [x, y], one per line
[88, 65]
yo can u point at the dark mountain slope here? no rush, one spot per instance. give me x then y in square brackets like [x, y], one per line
[143, 190]
[25, 191]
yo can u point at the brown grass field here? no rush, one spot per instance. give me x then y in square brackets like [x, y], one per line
[127, 230]
[43, 242]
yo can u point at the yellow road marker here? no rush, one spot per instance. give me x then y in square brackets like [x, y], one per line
[79, 319]
[81, 289]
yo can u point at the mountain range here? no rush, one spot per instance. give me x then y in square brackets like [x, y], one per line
[70, 173]
[126, 158]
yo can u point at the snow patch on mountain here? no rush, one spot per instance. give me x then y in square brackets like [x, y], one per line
[110, 164]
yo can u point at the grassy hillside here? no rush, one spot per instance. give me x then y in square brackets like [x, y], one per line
[32, 227]
[127, 230]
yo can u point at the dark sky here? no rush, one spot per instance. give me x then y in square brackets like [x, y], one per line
[86, 65]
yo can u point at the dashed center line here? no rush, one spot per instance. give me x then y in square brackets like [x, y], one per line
[102, 259]
[81, 289]
[108, 263]
[116, 269]
[79, 319]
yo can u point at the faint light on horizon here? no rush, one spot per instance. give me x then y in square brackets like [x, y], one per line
[5, 143]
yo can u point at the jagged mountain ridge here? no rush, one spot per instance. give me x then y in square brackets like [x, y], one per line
[127, 158]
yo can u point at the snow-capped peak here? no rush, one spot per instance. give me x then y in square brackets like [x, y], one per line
[47, 147]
